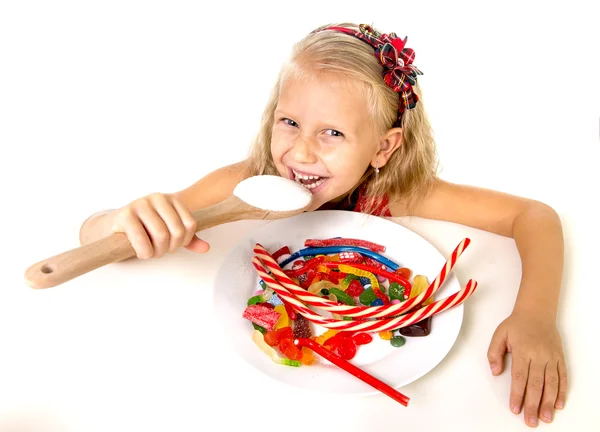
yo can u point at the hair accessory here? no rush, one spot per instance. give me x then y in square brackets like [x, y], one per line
[398, 71]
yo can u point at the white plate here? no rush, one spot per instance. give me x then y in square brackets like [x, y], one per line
[237, 281]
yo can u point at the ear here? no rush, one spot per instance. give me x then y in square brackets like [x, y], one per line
[391, 141]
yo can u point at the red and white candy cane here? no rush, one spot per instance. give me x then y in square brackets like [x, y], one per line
[359, 311]
[366, 325]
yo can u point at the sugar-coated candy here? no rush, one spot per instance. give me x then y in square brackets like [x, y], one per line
[397, 341]
[354, 289]
[301, 327]
[386, 335]
[275, 300]
[262, 316]
[396, 291]
[364, 280]
[322, 338]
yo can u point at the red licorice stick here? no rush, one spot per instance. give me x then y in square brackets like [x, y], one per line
[353, 370]
[283, 251]
[345, 242]
[310, 264]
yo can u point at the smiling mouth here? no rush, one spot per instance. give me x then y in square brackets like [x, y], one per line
[309, 181]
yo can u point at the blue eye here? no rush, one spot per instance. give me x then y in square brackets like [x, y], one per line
[334, 133]
[289, 122]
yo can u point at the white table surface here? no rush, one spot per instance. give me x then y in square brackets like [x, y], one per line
[103, 103]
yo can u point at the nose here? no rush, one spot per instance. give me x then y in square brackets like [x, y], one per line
[303, 150]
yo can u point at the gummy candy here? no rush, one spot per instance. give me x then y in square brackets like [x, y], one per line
[302, 328]
[396, 291]
[262, 316]
[354, 289]
[344, 242]
[273, 338]
[258, 339]
[362, 338]
[284, 320]
[377, 302]
[367, 297]
[289, 349]
[342, 296]
[275, 300]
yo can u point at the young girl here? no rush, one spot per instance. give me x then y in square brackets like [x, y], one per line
[345, 119]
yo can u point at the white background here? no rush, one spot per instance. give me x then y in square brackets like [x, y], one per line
[103, 102]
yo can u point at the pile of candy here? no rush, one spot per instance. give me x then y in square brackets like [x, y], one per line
[353, 278]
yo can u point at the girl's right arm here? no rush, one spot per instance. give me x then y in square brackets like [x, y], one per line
[159, 223]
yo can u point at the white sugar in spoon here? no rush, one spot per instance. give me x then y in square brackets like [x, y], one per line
[259, 197]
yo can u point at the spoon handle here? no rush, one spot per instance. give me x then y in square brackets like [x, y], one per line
[117, 247]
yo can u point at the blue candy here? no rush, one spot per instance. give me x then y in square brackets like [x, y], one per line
[377, 302]
[275, 300]
[364, 281]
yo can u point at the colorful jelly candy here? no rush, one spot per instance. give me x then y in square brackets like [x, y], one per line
[284, 320]
[354, 289]
[272, 338]
[262, 316]
[301, 327]
[396, 291]
[342, 296]
[259, 341]
[289, 349]
[362, 338]
[367, 297]
[275, 300]
[386, 335]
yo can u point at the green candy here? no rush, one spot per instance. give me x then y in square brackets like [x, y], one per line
[342, 296]
[255, 299]
[367, 297]
[347, 318]
[349, 278]
[259, 328]
[397, 341]
[396, 291]
[325, 292]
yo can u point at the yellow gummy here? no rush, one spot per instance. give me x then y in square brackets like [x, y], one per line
[419, 286]
[323, 337]
[318, 286]
[360, 273]
[386, 335]
[283, 321]
[323, 269]
[259, 340]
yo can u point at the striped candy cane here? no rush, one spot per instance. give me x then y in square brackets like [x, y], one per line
[359, 311]
[365, 325]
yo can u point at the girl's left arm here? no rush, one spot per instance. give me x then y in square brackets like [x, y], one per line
[538, 373]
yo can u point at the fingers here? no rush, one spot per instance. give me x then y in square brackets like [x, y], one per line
[155, 227]
[562, 385]
[533, 392]
[188, 221]
[197, 245]
[551, 383]
[176, 231]
[136, 233]
[519, 374]
[496, 351]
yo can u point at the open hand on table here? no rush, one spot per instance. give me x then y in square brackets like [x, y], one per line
[538, 373]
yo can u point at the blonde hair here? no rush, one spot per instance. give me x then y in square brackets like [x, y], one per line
[411, 169]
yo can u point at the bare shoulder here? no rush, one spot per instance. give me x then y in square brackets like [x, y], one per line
[213, 187]
[473, 206]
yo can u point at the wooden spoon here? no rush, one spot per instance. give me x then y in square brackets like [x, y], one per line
[117, 247]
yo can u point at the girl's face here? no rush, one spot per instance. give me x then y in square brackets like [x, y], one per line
[322, 136]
